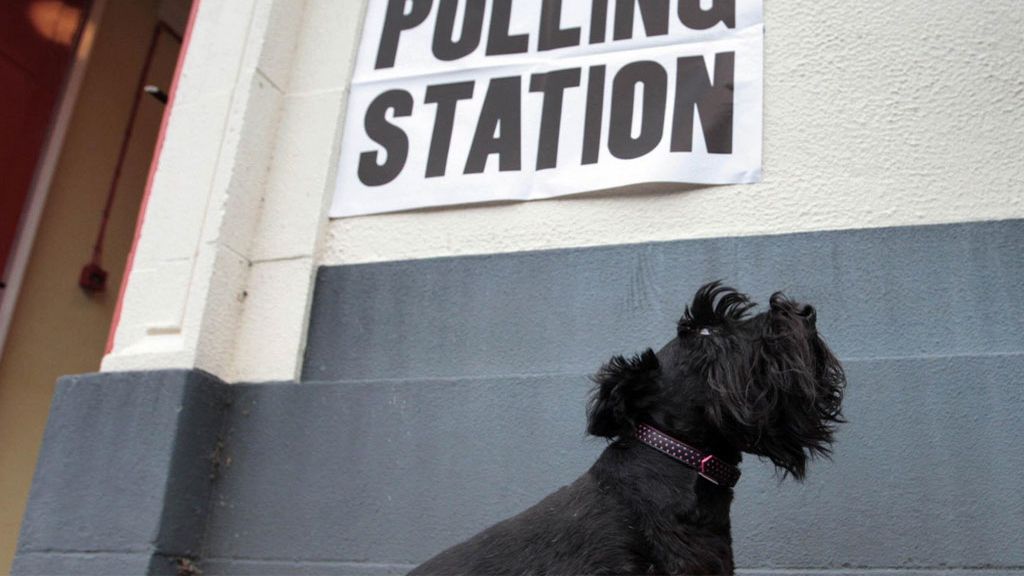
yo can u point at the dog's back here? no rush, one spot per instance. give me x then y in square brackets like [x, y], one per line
[575, 530]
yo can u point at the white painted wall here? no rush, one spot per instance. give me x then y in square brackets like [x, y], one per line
[877, 113]
[223, 269]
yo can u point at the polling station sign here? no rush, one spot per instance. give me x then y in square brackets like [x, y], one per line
[461, 101]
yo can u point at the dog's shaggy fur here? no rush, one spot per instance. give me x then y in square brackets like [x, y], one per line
[730, 382]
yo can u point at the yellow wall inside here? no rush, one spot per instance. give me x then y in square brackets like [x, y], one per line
[57, 328]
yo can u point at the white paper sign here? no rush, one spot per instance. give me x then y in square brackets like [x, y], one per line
[460, 101]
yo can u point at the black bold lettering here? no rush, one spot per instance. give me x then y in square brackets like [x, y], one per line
[695, 18]
[445, 46]
[390, 137]
[498, 40]
[594, 113]
[598, 21]
[553, 85]
[651, 76]
[552, 35]
[653, 12]
[501, 113]
[447, 97]
[395, 21]
[714, 103]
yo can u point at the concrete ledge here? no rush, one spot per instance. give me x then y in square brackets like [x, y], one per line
[252, 567]
[138, 470]
[391, 472]
[53, 563]
[237, 567]
[124, 474]
[879, 572]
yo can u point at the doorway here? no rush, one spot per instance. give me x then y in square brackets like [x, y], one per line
[103, 158]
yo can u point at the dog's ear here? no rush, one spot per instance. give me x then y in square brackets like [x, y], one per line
[624, 391]
[785, 403]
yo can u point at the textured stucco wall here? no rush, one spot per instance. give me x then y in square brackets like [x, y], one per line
[236, 200]
[877, 113]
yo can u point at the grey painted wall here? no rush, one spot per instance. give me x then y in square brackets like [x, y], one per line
[953, 290]
[124, 474]
[929, 321]
[390, 472]
[443, 395]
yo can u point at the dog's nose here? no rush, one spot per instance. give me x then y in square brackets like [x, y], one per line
[808, 312]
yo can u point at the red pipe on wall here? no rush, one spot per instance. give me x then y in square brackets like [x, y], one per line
[93, 277]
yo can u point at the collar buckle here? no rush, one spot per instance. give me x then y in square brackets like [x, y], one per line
[702, 468]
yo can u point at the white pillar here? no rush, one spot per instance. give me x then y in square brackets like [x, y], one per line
[223, 269]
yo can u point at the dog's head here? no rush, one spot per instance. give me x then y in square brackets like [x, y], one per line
[765, 384]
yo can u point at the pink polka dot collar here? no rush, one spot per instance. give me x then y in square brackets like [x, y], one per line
[707, 465]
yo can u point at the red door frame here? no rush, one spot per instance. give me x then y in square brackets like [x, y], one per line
[38, 42]
[31, 212]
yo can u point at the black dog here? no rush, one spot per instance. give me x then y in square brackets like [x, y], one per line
[657, 500]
